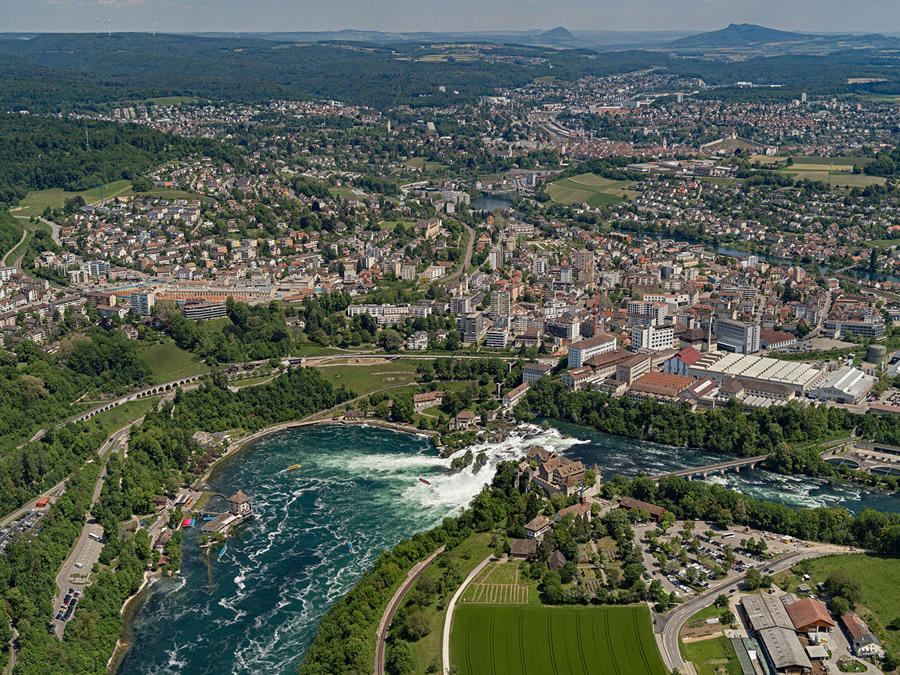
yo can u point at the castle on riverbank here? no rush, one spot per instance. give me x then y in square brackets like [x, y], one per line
[554, 474]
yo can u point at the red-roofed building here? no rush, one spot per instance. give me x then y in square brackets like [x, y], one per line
[809, 615]
[682, 361]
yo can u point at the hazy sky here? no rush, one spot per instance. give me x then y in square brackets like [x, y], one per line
[438, 15]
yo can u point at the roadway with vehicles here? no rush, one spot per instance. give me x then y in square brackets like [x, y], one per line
[668, 626]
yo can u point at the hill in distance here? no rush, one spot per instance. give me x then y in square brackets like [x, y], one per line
[558, 33]
[750, 38]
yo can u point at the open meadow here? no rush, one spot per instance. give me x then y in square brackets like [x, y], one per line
[168, 361]
[527, 640]
[591, 189]
[36, 201]
[878, 577]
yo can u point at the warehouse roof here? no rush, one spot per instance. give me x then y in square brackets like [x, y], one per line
[849, 381]
[766, 611]
[784, 648]
[808, 612]
[759, 368]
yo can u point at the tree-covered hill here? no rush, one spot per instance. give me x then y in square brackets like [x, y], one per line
[54, 72]
[43, 152]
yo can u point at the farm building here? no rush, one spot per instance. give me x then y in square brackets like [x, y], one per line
[859, 635]
[538, 527]
[809, 615]
[520, 549]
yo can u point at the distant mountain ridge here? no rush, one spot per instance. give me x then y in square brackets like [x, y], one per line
[739, 35]
[753, 38]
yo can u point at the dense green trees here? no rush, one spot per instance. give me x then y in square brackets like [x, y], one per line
[252, 334]
[42, 152]
[729, 430]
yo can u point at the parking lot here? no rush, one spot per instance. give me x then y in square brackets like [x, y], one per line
[712, 548]
[76, 570]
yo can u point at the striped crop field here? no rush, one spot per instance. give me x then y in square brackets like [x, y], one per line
[529, 640]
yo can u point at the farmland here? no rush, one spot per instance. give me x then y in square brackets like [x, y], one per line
[591, 189]
[502, 583]
[554, 640]
[712, 656]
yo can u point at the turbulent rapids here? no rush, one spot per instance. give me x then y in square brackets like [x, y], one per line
[257, 609]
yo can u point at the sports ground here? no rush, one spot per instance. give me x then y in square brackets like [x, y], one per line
[530, 640]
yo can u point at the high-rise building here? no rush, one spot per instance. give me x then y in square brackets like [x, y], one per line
[501, 304]
[460, 305]
[142, 303]
[583, 259]
[739, 337]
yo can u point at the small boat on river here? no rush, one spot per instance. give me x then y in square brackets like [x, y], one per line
[293, 466]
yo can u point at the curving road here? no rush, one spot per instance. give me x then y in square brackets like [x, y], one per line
[670, 625]
[392, 607]
[24, 234]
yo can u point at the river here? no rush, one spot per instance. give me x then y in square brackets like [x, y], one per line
[487, 202]
[257, 609]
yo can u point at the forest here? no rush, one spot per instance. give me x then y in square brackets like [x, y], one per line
[43, 152]
[52, 73]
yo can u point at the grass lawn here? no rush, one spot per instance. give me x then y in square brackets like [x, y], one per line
[317, 350]
[168, 361]
[364, 379]
[19, 249]
[116, 418]
[708, 656]
[590, 188]
[554, 640]
[879, 577]
[834, 178]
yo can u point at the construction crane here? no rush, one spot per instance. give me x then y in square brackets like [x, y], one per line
[102, 188]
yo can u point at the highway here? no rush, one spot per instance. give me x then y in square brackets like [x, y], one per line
[669, 625]
[385, 624]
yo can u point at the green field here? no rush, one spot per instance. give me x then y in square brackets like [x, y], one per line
[116, 418]
[464, 559]
[879, 577]
[712, 656]
[554, 640]
[833, 178]
[589, 188]
[364, 379]
[35, 202]
[168, 361]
